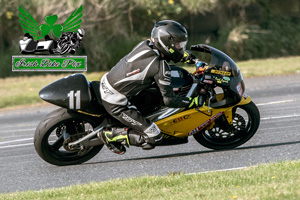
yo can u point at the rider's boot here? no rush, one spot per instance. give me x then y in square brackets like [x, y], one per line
[139, 141]
[115, 139]
[142, 140]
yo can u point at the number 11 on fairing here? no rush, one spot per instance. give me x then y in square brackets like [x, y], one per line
[71, 99]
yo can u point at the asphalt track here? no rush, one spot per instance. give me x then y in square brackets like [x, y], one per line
[277, 139]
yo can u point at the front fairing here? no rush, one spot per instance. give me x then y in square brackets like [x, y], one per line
[224, 72]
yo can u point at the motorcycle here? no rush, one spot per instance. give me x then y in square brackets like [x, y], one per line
[67, 44]
[228, 118]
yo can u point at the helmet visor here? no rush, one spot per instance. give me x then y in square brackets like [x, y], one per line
[180, 45]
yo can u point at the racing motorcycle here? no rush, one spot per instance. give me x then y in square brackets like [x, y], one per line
[228, 118]
[67, 43]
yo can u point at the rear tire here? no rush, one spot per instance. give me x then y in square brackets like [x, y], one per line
[245, 126]
[49, 142]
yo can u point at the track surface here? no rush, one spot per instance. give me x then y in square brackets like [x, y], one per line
[277, 139]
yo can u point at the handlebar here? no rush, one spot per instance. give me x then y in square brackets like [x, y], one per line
[200, 66]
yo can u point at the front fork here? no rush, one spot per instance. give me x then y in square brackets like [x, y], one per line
[228, 114]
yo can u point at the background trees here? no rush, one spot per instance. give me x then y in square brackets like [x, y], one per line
[244, 29]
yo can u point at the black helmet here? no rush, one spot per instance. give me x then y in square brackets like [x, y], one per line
[170, 38]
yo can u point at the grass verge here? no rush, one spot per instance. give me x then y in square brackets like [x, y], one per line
[24, 90]
[267, 181]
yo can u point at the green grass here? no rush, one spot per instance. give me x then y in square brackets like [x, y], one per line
[272, 181]
[24, 90]
[268, 181]
[267, 67]
[270, 66]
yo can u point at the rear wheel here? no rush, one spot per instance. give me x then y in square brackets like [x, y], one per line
[246, 120]
[56, 131]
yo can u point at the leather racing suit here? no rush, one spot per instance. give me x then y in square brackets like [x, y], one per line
[137, 71]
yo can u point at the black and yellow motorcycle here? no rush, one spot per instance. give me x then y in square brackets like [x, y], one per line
[228, 118]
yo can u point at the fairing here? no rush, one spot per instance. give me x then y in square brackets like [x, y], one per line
[225, 73]
[73, 92]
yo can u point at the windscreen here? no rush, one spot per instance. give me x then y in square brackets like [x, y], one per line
[222, 62]
[224, 71]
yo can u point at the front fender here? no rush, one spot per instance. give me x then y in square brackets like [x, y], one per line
[228, 113]
[244, 101]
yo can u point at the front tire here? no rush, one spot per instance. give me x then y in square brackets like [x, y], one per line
[50, 141]
[246, 119]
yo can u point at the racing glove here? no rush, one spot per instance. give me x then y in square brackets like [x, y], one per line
[196, 102]
[188, 57]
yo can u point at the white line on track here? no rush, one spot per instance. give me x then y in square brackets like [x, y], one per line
[20, 125]
[280, 117]
[17, 145]
[220, 170]
[20, 140]
[18, 130]
[275, 102]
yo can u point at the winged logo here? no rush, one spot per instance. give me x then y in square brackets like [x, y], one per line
[30, 25]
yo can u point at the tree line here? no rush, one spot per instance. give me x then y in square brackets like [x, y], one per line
[244, 29]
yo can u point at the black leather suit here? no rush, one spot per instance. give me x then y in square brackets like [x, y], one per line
[135, 72]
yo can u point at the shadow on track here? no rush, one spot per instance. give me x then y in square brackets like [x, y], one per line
[196, 153]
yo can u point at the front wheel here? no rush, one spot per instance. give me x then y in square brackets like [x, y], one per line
[246, 119]
[56, 131]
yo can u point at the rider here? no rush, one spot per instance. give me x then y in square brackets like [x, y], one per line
[144, 66]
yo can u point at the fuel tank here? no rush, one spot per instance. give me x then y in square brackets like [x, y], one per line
[181, 80]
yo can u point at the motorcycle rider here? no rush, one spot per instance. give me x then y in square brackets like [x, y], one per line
[74, 37]
[144, 66]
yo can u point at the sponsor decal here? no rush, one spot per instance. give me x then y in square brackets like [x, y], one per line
[226, 78]
[179, 119]
[207, 77]
[221, 72]
[199, 128]
[133, 72]
[222, 80]
[130, 120]
[105, 89]
[239, 88]
[208, 81]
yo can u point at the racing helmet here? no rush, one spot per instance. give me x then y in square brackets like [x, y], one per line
[170, 38]
[80, 33]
